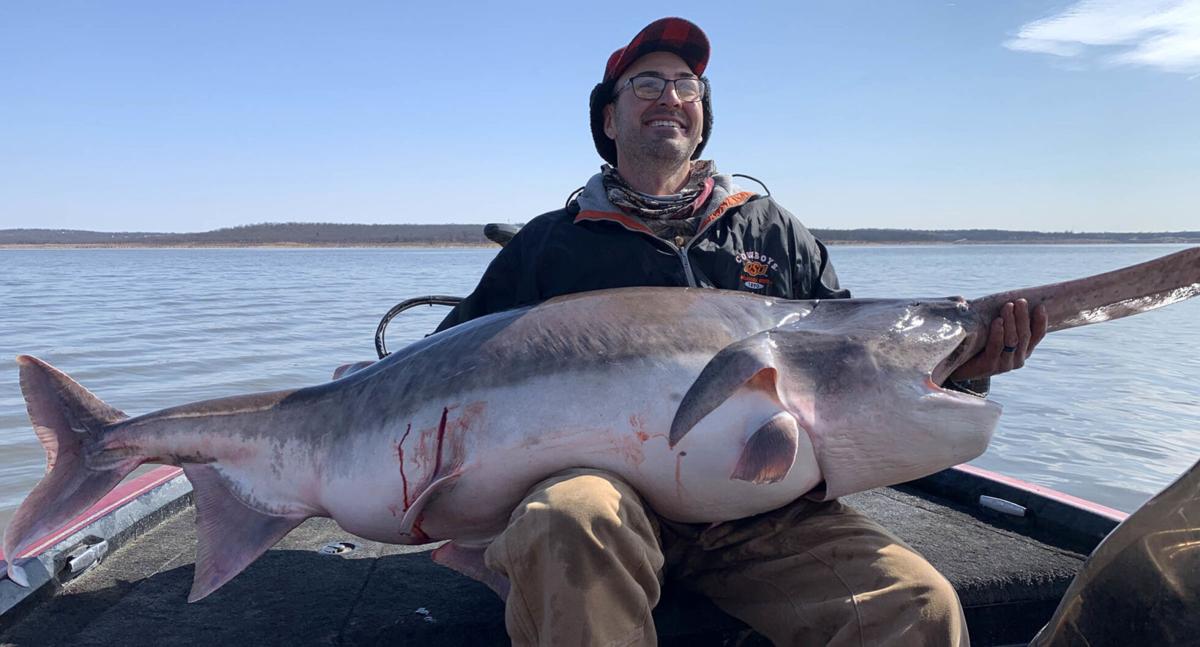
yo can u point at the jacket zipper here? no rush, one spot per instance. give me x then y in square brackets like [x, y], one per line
[683, 258]
[680, 250]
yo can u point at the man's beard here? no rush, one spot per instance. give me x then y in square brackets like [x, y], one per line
[663, 152]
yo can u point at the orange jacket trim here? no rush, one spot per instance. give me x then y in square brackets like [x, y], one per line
[625, 221]
[732, 201]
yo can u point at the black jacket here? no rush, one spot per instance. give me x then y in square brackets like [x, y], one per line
[747, 243]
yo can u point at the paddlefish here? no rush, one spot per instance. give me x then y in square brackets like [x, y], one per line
[715, 405]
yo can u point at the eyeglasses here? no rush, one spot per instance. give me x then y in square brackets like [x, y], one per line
[689, 89]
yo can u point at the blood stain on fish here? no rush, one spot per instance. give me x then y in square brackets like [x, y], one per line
[441, 436]
[400, 455]
[678, 469]
[639, 427]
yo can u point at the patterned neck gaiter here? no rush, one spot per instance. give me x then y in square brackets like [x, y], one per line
[668, 216]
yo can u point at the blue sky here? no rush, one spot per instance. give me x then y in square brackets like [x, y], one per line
[156, 116]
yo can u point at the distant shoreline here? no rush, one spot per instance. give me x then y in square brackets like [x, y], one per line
[304, 235]
[452, 245]
[446, 245]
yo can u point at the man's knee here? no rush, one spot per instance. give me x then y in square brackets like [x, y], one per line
[582, 556]
[931, 589]
[918, 576]
[930, 603]
[940, 603]
[587, 515]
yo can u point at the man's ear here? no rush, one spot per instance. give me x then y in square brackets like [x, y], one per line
[609, 128]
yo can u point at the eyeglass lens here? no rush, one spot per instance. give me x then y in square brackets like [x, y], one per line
[652, 87]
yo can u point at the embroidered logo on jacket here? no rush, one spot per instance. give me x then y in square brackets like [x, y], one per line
[755, 267]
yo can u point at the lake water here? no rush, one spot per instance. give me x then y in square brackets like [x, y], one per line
[1109, 412]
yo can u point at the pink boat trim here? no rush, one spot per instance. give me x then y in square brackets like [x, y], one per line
[1054, 495]
[121, 495]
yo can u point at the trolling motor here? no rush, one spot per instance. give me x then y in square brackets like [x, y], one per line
[498, 233]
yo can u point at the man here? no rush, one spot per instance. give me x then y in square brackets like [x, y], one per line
[584, 556]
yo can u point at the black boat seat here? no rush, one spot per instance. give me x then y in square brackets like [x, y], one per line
[385, 594]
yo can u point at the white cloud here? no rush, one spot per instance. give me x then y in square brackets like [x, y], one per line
[1157, 33]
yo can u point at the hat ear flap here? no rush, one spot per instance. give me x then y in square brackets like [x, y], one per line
[601, 97]
[707, 121]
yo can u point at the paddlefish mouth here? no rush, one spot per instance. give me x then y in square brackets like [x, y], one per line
[972, 343]
[958, 409]
[936, 391]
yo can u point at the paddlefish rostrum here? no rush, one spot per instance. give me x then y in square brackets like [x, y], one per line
[715, 405]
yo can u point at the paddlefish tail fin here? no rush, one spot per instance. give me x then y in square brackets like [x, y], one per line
[71, 423]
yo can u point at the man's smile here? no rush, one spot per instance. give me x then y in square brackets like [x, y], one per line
[673, 123]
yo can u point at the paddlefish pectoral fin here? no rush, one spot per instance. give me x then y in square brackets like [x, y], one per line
[410, 524]
[230, 535]
[770, 452]
[71, 423]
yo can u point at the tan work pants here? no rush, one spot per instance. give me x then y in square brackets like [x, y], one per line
[585, 557]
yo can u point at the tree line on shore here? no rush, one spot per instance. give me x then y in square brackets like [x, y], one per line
[332, 235]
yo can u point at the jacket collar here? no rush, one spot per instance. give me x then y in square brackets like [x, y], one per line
[595, 205]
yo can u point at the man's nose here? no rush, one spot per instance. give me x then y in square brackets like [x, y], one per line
[669, 96]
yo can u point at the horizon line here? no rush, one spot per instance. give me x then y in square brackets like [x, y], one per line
[471, 224]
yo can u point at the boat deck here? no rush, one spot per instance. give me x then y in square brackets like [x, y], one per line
[1008, 580]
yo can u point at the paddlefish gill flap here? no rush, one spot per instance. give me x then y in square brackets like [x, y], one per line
[770, 452]
[230, 535]
[70, 422]
[747, 362]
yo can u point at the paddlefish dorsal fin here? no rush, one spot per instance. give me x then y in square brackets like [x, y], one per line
[230, 535]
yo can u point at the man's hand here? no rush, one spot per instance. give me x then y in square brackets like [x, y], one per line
[1011, 340]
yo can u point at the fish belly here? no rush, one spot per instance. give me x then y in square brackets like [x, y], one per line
[514, 449]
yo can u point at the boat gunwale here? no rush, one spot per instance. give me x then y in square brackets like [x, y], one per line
[121, 517]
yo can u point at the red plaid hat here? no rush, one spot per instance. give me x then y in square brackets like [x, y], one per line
[674, 35]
